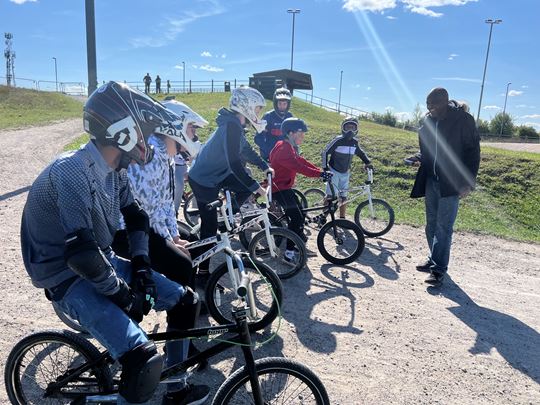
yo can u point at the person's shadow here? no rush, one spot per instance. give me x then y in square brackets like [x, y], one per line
[517, 342]
[378, 254]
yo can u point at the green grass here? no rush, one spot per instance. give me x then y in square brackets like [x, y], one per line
[23, 107]
[505, 203]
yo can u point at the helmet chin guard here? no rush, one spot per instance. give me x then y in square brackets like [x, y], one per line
[245, 100]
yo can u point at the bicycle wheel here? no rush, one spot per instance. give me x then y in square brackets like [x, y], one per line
[284, 239]
[247, 234]
[42, 359]
[377, 222]
[220, 294]
[342, 246]
[190, 204]
[300, 197]
[315, 197]
[68, 320]
[282, 381]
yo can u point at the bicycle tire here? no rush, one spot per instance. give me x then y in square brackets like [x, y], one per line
[259, 251]
[378, 226]
[247, 235]
[220, 294]
[301, 198]
[29, 354]
[190, 203]
[68, 320]
[345, 228]
[290, 377]
[315, 197]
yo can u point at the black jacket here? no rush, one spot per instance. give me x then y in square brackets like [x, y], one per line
[450, 151]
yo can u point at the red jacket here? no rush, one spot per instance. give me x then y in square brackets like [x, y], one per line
[286, 163]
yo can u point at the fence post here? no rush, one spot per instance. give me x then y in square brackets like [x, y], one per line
[189, 86]
[212, 86]
[235, 83]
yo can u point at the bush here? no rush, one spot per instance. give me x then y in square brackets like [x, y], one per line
[385, 119]
[483, 126]
[504, 121]
[527, 132]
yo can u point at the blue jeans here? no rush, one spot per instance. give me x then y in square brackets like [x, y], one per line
[179, 174]
[110, 326]
[441, 214]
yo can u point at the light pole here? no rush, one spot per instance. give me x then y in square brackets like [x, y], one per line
[91, 45]
[292, 11]
[490, 22]
[183, 77]
[339, 99]
[55, 73]
[504, 108]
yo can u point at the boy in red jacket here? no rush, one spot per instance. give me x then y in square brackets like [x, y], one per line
[286, 162]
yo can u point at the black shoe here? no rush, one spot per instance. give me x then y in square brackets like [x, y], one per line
[190, 395]
[193, 351]
[425, 267]
[435, 279]
[304, 237]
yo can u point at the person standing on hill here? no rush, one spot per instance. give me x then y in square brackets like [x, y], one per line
[147, 80]
[449, 162]
[158, 84]
[267, 139]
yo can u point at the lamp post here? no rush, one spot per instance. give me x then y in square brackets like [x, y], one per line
[490, 22]
[183, 77]
[339, 99]
[292, 11]
[55, 73]
[91, 45]
[504, 108]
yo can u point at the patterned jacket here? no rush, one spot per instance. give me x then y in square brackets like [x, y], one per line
[267, 139]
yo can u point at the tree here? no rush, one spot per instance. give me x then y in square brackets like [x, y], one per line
[483, 126]
[527, 132]
[502, 123]
[417, 116]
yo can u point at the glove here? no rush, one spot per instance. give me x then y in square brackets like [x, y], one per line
[368, 166]
[128, 301]
[269, 171]
[143, 282]
[326, 176]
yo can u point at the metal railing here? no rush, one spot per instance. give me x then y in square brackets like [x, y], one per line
[330, 105]
[72, 88]
[191, 86]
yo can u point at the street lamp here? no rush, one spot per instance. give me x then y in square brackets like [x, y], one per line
[91, 45]
[184, 77]
[504, 109]
[56, 74]
[339, 100]
[292, 11]
[490, 22]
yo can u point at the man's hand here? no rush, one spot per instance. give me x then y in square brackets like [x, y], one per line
[326, 175]
[143, 282]
[128, 301]
[181, 244]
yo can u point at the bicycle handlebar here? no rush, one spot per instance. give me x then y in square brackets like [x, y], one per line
[213, 205]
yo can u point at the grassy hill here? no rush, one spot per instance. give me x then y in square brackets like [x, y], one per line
[505, 203]
[23, 107]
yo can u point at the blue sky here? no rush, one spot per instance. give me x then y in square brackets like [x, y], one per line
[392, 52]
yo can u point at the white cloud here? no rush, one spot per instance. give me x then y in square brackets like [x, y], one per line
[535, 125]
[179, 67]
[331, 88]
[452, 56]
[389, 108]
[457, 79]
[531, 116]
[223, 55]
[206, 54]
[195, 66]
[423, 11]
[357, 86]
[23, 1]
[368, 5]
[391, 17]
[524, 86]
[492, 107]
[210, 68]
[368, 88]
[514, 93]
[525, 106]
[402, 116]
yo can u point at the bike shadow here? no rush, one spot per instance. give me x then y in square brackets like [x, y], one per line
[515, 341]
[379, 255]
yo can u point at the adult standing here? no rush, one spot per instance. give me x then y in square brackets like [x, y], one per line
[147, 80]
[450, 158]
[158, 84]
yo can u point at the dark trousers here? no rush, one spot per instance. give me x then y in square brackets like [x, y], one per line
[291, 206]
[209, 219]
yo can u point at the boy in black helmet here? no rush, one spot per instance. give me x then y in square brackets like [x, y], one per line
[337, 157]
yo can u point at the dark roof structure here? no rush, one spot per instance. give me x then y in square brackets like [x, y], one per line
[267, 82]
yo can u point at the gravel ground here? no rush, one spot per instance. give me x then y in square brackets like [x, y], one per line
[520, 147]
[371, 330]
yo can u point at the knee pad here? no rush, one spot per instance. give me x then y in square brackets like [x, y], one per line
[186, 311]
[141, 372]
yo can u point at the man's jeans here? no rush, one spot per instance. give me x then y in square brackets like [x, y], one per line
[109, 325]
[441, 214]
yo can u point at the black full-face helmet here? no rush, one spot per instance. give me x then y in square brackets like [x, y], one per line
[349, 134]
[119, 116]
[282, 94]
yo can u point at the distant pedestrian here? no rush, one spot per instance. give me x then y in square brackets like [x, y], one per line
[449, 162]
[147, 80]
[168, 86]
[158, 84]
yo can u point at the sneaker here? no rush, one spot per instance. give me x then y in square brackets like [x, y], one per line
[189, 395]
[413, 159]
[425, 267]
[289, 256]
[435, 279]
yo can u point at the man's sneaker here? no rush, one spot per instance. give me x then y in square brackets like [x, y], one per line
[189, 395]
[289, 256]
[425, 267]
[435, 279]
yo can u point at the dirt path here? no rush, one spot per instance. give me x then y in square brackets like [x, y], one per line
[371, 330]
[519, 147]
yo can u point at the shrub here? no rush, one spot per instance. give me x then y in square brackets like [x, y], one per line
[527, 132]
[502, 121]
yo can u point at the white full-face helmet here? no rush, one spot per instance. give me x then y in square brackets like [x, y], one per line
[250, 103]
[186, 116]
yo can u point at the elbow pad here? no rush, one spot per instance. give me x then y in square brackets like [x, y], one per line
[86, 259]
[136, 218]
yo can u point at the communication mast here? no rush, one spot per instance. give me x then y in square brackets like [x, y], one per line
[10, 60]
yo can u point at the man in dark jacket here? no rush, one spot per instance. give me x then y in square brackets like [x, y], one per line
[450, 157]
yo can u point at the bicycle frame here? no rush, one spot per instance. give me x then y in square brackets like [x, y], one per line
[359, 191]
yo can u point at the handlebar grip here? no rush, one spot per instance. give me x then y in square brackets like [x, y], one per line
[242, 289]
[213, 205]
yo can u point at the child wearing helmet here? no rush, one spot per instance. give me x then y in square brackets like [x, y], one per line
[71, 213]
[286, 163]
[337, 157]
[267, 139]
[219, 163]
